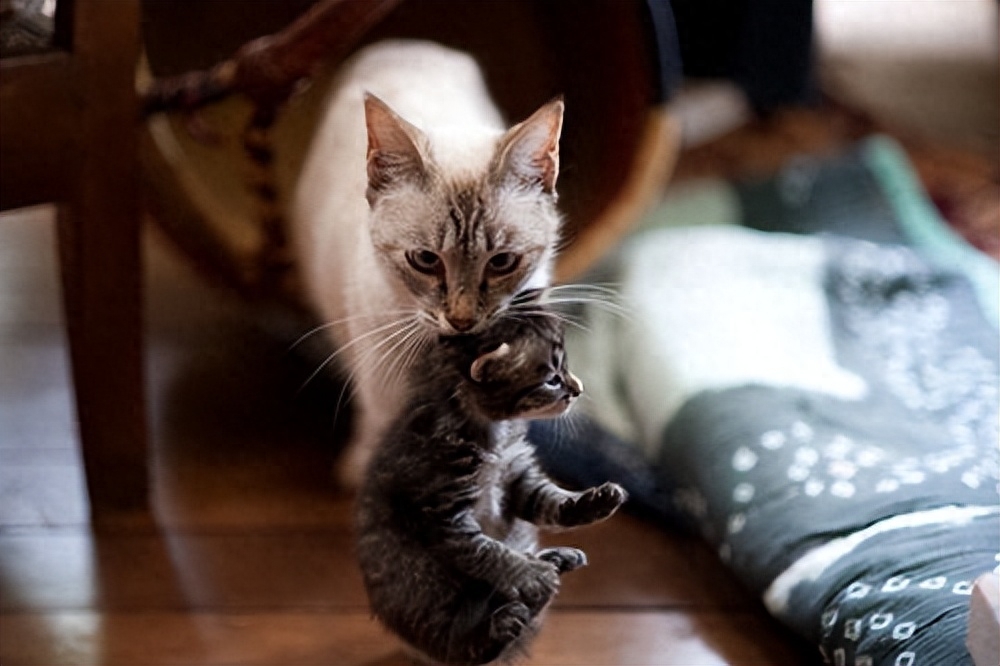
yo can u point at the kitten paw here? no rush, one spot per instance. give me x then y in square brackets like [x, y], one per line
[540, 583]
[508, 622]
[564, 558]
[592, 505]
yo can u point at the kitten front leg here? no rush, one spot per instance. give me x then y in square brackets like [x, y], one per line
[591, 505]
[564, 558]
[534, 497]
[521, 577]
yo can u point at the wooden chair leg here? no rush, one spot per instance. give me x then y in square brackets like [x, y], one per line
[101, 262]
[99, 251]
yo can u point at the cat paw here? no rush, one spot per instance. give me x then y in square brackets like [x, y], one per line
[564, 558]
[506, 631]
[508, 622]
[540, 583]
[592, 505]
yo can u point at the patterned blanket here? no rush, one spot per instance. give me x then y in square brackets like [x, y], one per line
[817, 399]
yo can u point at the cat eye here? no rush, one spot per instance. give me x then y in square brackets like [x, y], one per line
[424, 261]
[502, 263]
[555, 381]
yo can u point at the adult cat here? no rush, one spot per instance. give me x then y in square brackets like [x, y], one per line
[408, 229]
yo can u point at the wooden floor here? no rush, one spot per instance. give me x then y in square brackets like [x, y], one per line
[250, 558]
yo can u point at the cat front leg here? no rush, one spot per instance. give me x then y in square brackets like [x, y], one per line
[534, 497]
[499, 636]
[529, 580]
[519, 577]
[564, 558]
[591, 505]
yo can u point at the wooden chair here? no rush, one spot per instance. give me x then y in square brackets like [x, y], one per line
[68, 120]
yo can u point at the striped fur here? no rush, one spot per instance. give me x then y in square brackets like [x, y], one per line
[448, 512]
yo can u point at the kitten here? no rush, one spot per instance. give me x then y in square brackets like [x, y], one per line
[405, 230]
[447, 513]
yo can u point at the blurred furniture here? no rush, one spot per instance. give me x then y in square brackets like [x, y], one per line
[67, 135]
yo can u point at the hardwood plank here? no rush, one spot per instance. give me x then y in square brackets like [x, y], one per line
[352, 638]
[192, 639]
[42, 495]
[72, 568]
[699, 638]
[48, 570]
[39, 457]
[36, 404]
[636, 564]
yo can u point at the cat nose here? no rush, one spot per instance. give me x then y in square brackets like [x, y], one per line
[461, 324]
[574, 384]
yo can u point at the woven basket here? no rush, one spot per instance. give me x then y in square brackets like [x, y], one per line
[617, 151]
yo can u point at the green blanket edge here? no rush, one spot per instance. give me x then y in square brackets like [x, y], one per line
[924, 227]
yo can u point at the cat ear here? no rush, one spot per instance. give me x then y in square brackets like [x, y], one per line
[394, 154]
[478, 366]
[529, 152]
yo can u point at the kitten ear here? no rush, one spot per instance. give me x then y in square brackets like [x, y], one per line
[394, 153]
[478, 366]
[529, 151]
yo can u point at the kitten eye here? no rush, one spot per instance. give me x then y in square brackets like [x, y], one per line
[424, 261]
[502, 263]
[555, 381]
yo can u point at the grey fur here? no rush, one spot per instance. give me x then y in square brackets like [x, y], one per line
[448, 511]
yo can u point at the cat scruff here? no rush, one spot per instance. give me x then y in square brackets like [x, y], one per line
[448, 512]
[418, 214]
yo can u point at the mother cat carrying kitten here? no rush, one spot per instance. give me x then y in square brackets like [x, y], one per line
[418, 214]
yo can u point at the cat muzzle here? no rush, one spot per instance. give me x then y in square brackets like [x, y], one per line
[461, 325]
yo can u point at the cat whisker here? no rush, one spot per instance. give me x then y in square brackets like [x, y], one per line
[362, 363]
[610, 288]
[534, 311]
[370, 333]
[337, 322]
[391, 339]
[348, 384]
[568, 428]
[565, 319]
[416, 349]
[308, 334]
[610, 307]
[380, 329]
[563, 432]
[402, 338]
[606, 292]
[571, 420]
[562, 244]
[583, 298]
[603, 296]
[528, 296]
[399, 362]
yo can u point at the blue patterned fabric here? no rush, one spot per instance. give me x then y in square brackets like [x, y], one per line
[861, 516]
